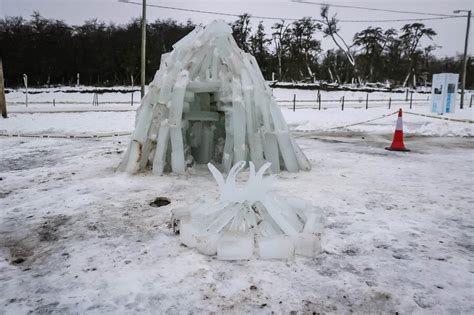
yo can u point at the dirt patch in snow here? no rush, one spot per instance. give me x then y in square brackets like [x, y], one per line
[160, 202]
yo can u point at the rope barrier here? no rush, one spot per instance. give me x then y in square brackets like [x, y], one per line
[127, 133]
[348, 125]
[70, 111]
[442, 118]
[68, 136]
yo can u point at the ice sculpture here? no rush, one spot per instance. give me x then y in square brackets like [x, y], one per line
[251, 219]
[210, 102]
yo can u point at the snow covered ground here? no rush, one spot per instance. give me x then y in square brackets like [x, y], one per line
[303, 119]
[78, 237]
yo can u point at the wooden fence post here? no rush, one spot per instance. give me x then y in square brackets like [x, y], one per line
[389, 102]
[411, 98]
[342, 106]
[319, 100]
[294, 102]
[95, 100]
[131, 80]
[367, 101]
[25, 82]
[3, 103]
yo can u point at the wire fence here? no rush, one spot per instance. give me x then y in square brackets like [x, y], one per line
[317, 103]
[367, 102]
[350, 103]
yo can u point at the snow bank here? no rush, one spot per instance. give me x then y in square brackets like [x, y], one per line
[58, 123]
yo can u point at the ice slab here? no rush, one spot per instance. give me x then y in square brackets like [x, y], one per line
[188, 232]
[307, 244]
[201, 116]
[235, 246]
[206, 243]
[276, 247]
[161, 148]
[204, 86]
[314, 223]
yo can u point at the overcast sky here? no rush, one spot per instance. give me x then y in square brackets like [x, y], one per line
[451, 32]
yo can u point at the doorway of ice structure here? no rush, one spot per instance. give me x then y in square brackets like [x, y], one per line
[205, 134]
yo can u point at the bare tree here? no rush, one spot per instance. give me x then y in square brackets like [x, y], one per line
[412, 34]
[303, 47]
[331, 29]
[372, 41]
[281, 38]
[241, 31]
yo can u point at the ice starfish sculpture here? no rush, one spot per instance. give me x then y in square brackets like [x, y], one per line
[251, 219]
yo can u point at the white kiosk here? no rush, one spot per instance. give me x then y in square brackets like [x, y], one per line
[444, 89]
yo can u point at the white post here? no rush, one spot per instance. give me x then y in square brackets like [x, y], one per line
[78, 77]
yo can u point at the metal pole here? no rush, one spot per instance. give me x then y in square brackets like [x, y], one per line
[319, 101]
[342, 106]
[294, 102]
[389, 102]
[464, 63]
[411, 98]
[3, 103]
[143, 61]
[367, 101]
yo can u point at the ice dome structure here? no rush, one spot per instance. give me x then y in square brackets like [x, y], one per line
[210, 102]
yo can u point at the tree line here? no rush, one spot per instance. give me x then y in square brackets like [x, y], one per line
[52, 52]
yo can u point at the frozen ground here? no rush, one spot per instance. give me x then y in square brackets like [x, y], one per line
[78, 237]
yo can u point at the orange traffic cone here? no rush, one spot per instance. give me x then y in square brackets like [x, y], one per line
[397, 143]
